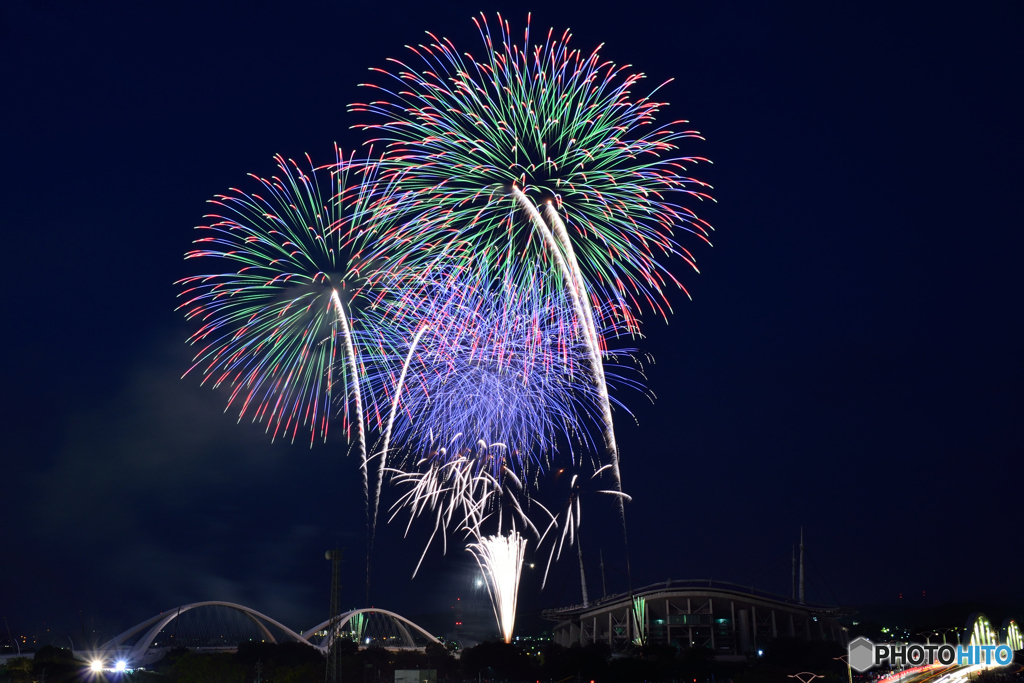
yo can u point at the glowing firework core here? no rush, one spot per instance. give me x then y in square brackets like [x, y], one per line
[501, 560]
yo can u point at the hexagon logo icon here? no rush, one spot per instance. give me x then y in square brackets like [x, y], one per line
[861, 654]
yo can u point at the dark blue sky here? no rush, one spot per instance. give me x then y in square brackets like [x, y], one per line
[850, 362]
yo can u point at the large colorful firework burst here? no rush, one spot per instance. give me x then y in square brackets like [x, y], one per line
[464, 289]
[277, 325]
[483, 373]
[534, 126]
[483, 406]
[538, 155]
[480, 361]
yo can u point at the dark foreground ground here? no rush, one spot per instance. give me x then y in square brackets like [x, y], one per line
[493, 662]
[489, 661]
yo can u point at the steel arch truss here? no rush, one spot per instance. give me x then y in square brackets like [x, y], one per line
[371, 627]
[145, 651]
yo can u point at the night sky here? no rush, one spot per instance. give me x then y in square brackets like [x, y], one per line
[850, 361]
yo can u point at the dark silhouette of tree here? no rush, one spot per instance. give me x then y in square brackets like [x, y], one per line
[496, 660]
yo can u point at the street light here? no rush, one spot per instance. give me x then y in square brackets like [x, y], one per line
[936, 632]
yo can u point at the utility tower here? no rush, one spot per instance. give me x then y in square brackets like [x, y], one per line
[333, 651]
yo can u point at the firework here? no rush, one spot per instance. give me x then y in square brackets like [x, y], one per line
[569, 518]
[486, 144]
[277, 328]
[504, 364]
[454, 493]
[481, 373]
[483, 362]
[545, 125]
[458, 493]
[460, 293]
[501, 560]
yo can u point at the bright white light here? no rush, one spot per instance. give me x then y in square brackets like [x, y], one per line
[760, 652]
[96, 665]
[120, 665]
[367, 641]
[501, 560]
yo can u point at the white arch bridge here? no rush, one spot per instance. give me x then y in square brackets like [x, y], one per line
[217, 626]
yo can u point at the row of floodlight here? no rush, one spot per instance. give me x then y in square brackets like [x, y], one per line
[98, 666]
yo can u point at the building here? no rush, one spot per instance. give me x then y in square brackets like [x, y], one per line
[734, 621]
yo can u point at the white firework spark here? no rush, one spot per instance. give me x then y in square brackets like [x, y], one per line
[501, 560]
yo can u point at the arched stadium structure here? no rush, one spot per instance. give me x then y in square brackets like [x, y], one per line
[218, 626]
[731, 620]
[734, 621]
